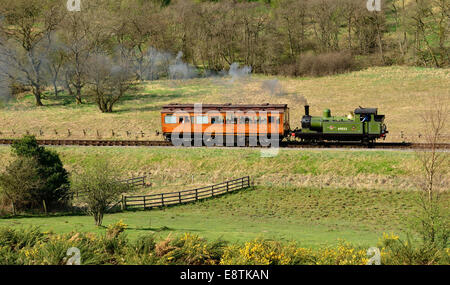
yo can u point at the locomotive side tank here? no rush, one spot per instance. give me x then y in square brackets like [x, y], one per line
[364, 125]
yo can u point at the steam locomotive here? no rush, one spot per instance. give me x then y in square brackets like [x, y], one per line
[364, 125]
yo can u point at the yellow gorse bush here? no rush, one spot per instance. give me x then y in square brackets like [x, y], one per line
[344, 254]
[190, 249]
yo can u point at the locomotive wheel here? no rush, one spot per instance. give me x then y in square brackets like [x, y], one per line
[365, 141]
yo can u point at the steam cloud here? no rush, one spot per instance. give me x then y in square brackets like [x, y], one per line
[275, 88]
[237, 72]
[180, 69]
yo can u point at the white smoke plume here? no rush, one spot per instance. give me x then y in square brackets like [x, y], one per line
[181, 70]
[237, 72]
[273, 87]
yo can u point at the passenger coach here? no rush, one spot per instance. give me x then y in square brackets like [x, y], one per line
[242, 124]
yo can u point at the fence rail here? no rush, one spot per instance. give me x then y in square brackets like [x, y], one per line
[135, 181]
[174, 198]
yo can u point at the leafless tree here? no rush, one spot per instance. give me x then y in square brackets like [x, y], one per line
[109, 79]
[435, 170]
[25, 40]
[81, 35]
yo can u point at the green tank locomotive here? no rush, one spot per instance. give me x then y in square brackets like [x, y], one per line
[363, 125]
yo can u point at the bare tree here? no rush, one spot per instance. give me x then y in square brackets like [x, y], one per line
[79, 39]
[25, 40]
[434, 181]
[56, 60]
[109, 79]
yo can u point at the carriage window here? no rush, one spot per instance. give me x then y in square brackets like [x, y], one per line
[216, 120]
[274, 120]
[183, 120]
[244, 120]
[201, 120]
[169, 119]
[262, 120]
[232, 120]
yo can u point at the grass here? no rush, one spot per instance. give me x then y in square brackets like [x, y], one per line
[401, 93]
[312, 196]
[313, 217]
[173, 169]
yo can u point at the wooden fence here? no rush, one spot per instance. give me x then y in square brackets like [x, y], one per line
[174, 198]
[135, 181]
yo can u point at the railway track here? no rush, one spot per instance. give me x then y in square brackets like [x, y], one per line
[378, 145]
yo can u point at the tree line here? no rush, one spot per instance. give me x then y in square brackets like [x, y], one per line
[99, 50]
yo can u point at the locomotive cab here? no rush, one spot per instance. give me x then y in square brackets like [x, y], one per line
[373, 123]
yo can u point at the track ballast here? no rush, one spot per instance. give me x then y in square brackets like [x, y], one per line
[288, 144]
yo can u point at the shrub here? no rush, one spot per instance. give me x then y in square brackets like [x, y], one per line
[32, 247]
[36, 179]
[190, 249]
[21, 184]
[101, 187]
[142, 251]
[396, 251]
[16, 239]
[144, 244]
[54, 250]
[344, 254]
[265, 252]
[325, 64]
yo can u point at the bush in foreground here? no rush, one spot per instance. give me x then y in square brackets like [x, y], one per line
[30, 246]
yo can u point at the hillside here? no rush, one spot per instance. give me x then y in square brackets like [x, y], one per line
[401, 93]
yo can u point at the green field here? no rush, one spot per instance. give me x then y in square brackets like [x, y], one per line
[313, 217]
[311, 196]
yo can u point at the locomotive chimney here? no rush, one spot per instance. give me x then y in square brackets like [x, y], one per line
[306, 110]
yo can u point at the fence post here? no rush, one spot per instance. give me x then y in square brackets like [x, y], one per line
[179, 196]
[242, 182]
[196, 194]
[124, 203]
[212, 191]
[144, 203]
[227, 186]
[248, 181]
[162, 199]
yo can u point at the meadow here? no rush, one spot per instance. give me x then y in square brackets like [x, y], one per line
[313, 217]
[401, 93]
